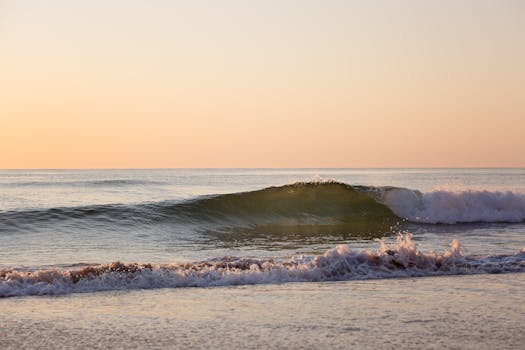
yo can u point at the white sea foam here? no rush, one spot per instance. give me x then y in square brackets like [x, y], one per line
[318, 179]
[339, 263]
[447, 207]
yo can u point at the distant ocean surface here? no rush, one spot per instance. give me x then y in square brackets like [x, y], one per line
[104, 237]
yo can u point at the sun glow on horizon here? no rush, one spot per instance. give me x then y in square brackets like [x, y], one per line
[127, 84]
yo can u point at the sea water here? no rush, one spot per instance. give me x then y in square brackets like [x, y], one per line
[377, 258]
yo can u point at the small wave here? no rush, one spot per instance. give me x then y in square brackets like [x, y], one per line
[444, 207]
[96, 183]
[338, 264]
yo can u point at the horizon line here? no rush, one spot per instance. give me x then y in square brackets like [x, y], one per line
[262, 168]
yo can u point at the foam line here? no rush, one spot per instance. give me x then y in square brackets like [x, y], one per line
[340, 263]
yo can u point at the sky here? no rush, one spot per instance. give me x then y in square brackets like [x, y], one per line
[206, 83]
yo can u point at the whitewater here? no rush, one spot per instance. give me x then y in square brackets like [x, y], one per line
[448, 207]
[340, 263]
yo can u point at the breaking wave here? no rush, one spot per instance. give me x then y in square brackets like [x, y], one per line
[320, 206]
[445, 207]
[338, 264]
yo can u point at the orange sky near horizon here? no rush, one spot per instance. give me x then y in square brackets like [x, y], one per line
[131, 84]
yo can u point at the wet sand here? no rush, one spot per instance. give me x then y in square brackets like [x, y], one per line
[453, 312]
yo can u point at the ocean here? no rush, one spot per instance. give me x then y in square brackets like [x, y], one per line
[262, 258]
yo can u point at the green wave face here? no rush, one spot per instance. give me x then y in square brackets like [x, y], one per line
[300, 208]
